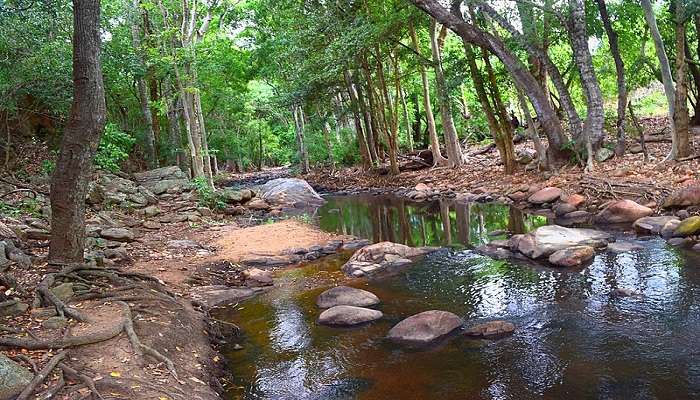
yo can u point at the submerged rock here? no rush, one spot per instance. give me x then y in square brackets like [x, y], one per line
[380, 257]
[491, 329]
[290, 192]
[572, 256]
[624, 247]
[346, 296]
[348, 316]
[623, 211]
[548, 239]
[13, 378]
[424, 328]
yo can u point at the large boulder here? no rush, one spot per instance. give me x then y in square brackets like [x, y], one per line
[346, 296]
[290, 192]
[162, 180]
[623, 211]
[380, 257]
[684, 197]
[424, 328]
[219, 295]
[348, 316]
[546, 195]
[13, 378]
[572, 256]
[548, 239]
[118, 234]
[653, 225]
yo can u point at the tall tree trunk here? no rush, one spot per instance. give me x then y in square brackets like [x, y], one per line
[81, 137]
[369, 125]
[361, 140]
[390, 121]
[373, 107]
[666, 76]
[521, 75]
[438, 159]
[301, 145]
[593, 127]
[508, 154]
[327, 140]
[455, 157]
[680, 116]
[620, 70]
[172, 111]
[534, 135]
[206, 156]
[140, 77]
[406, 119]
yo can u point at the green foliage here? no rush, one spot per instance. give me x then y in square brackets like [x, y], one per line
[24, 207]
[48, 166]
[206, 196]
[114, 148]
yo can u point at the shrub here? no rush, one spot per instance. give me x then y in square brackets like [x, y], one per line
[114, 148]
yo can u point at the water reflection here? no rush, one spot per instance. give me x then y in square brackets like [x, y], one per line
[437, 223]
[575, 339]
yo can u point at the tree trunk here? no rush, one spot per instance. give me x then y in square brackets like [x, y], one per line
[666, 76]
[534, 135]
[680, 116]
[299, 129]
[81, 137]
[361, 140]
[327, 140]
[206, 157]
[407, 123]
[521, 75]
[173, 124]
[150, 147]
[455, 157]
[593, 127]
[373, 107]
[620, 70]
[393, 119]
[438, 159]
[508, 152]
[369, 125]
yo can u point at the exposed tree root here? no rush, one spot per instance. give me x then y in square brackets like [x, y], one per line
[28, 360]
[52, 391]
[44, 288]
[41, 376]
[141, 348]
[89, 382]
[65, 342]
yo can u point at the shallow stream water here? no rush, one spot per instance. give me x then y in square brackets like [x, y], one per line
[574, 340]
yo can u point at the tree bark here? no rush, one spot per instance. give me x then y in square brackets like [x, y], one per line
[81, 137]
[301, 145]
[666, 76]
[361, 140]
[369, 125]
[620, 71]
[391, 122]
[680, 116]
[438, 159]
[455, 157]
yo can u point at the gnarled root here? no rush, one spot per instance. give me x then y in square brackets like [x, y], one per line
[41, 376]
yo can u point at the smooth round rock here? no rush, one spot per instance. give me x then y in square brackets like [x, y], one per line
[424, 328]
[546, 195]
[348, 316]
[491, 329]
[346, 296]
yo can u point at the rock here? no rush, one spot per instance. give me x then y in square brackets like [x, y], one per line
[183, 244]
[491, 330]
[636, 148]
[546, 195]
[682, 214]
[572, 256]
[348, 316]
[37, 234]
[14, 309]
[231, 196]
[219, 295]
[518, 196]
[603, 154]
[624, 292]
[152, 225]
[346, 296]
[495, 252]
[118, 234]
[670, 228]
[258, 204]
[689, 226]
[684, 197]
[160, 174]
[151, 211]
[623, 211]
[422, 187]
[573, 218]
[624, 247]
[562, 209]
[168, 186]
[13, 378]
[355, 244]
[55, 323]
[255, 277]
[246, 195]
[15, 254]
[679, 242]
[575, 200]
[548, 239]
[6, 232]
[424, 328]
[525, 156]
[381, 257]
[270, 261]
[117, 253]
[291, 192]
[652, 225]
[63, 291]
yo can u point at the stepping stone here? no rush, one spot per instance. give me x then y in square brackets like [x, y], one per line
[346, 296]
[348, 316]
[424, 328]
[491, 330]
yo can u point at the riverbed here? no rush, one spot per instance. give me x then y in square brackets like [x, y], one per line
[575, 339]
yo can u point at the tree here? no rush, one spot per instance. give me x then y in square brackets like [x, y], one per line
[80, 138]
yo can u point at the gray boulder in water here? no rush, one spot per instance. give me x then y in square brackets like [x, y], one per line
[381, 257]
[346, 296]
[348, 316]
[290, 192]
[548, 239]
[424, 328]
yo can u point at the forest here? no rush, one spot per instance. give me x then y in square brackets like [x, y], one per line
[305, 199]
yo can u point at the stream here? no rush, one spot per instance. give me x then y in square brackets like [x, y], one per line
[573, 340]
